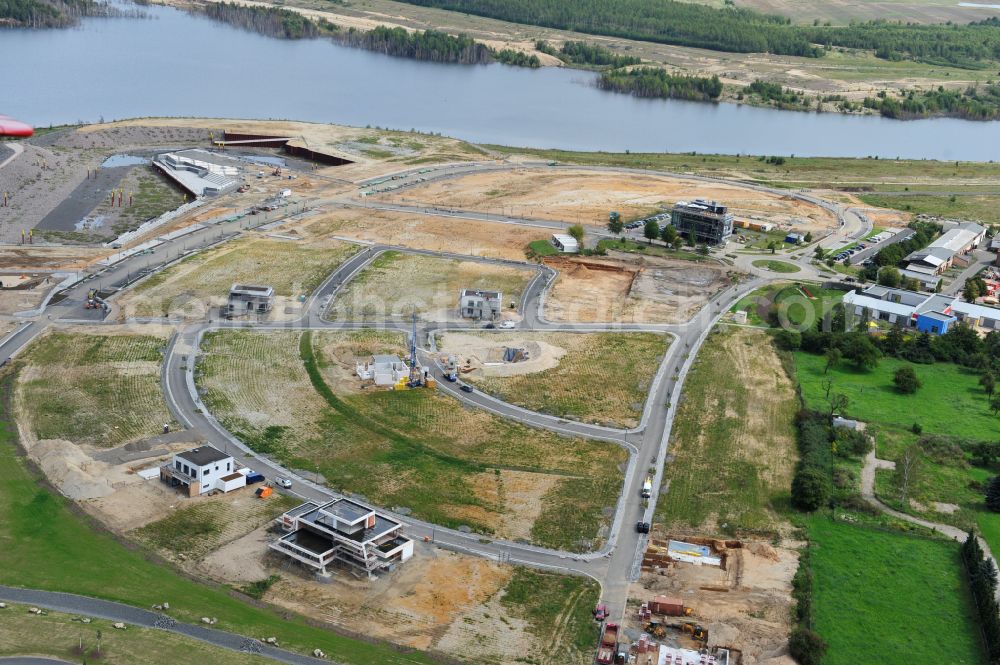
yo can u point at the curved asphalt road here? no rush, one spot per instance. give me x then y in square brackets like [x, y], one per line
[614, 565]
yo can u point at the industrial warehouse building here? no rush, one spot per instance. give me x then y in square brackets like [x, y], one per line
[342, 532]
[249, 299]
[930, 313]
[946, 251]
[710, 221]
[480, 305]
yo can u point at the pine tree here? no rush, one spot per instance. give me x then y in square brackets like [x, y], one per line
[993, 495]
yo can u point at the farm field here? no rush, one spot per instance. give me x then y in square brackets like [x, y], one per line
[59, 636]
[950, 401]
[201, 281]
[733, 451]
[96, 389]
[587, 197]
[415, 449]
[885, 597]
[47, 545]
[397, 284]
[597, 377]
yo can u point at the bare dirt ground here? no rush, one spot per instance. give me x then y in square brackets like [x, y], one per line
[47, 257]
[747, 606]
[630, 288]
[587, 197]
[25, 293]
[442, 234]
[415, 606]
[483, 356]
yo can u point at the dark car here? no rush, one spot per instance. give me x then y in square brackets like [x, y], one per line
[642, 527]
[466, 388]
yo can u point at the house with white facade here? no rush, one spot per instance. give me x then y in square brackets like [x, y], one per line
[948, 250]
[479, 304]
[201, 470]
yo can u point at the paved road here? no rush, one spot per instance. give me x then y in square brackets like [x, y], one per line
[32, 660]
[616, 563]
[103, 609]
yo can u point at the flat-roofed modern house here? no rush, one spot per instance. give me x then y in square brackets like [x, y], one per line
[709, 221]
[947, 250]
[342, 532]
[931, 313]
[384, 370]
[249, 299]
[479, 304]
[202, 470]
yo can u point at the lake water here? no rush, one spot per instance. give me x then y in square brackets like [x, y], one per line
[174, 64]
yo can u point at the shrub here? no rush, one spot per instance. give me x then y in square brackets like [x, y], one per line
[810, 489]
[993, 495]
[906, 380]
[806, 647]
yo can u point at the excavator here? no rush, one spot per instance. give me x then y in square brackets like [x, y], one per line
[659, 630]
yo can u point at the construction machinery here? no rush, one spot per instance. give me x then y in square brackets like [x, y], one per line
[614, 216]
[608, 648]
[92, 301]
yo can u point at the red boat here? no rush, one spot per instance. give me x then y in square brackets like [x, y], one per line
[11, 127]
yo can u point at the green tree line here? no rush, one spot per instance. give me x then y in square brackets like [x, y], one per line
[582, 53]
[973, 103]
[742, 30]
[653, 82]
[46, 13]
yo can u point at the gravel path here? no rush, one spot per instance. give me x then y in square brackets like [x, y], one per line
[872, 463]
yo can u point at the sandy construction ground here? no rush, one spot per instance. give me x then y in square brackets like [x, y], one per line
[746, 607]
[587, 197]
[629, 288]
[442, 234]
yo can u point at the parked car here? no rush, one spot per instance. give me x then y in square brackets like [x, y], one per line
[466, 388]
[283, 482]
[642, 527]
[489, 326]
[506, 325]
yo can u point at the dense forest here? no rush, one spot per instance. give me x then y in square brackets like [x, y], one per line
[582, 53]
[651, 82]
[427, 45]
[742, 30]
[270, 21]
[973, 103]
[47, 13]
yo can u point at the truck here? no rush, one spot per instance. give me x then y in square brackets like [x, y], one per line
[451, 369]
[608, 648]
[647, 487]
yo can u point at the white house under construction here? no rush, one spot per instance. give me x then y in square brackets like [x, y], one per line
[345, 533]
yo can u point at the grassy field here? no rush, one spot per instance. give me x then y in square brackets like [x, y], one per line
[776, 266]
[542, 248]
[59, 636]
[603, 378]
[884, 597]
[649, 249]
[45, 545]
[558, 607]
[196, 530]
[398, 284]
[983, 208]
[203, 279]
[98, 389]
[417, 449]
[795, 172]
[950, 401]
[733, 443]
[801, 305]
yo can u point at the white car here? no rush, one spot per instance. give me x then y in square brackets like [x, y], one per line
[506, 325]
[283, 482]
